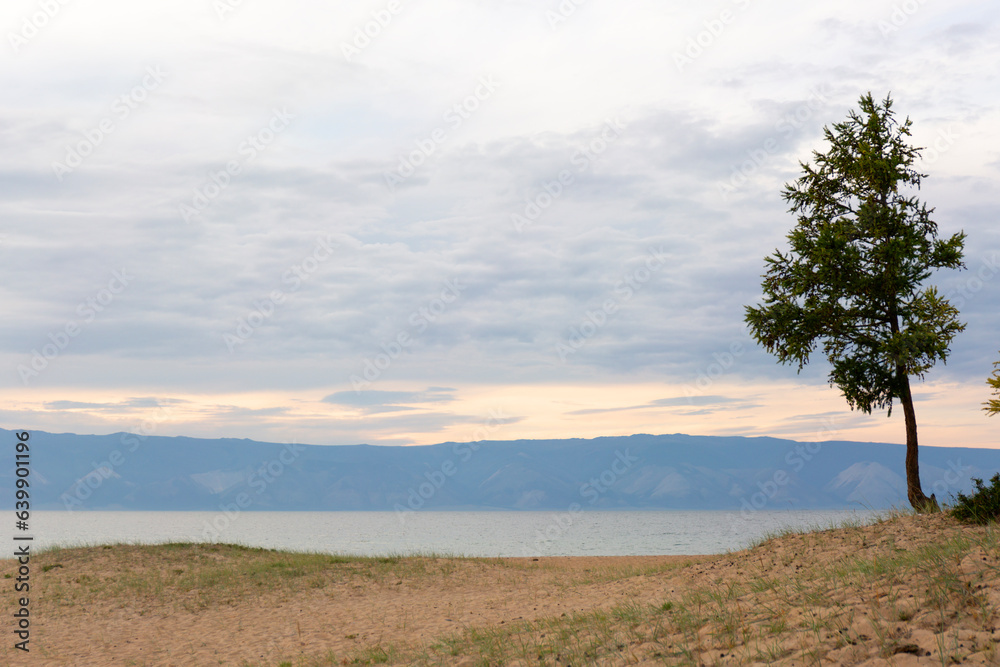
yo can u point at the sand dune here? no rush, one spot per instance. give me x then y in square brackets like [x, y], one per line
[912, 590]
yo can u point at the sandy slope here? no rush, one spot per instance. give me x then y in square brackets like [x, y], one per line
[776, 604]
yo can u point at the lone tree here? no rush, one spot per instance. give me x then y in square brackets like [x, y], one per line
[852, 279]
[993, 405]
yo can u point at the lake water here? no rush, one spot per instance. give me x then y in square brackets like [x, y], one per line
[608, 533]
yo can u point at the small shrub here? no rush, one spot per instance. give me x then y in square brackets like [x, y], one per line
[983, 506]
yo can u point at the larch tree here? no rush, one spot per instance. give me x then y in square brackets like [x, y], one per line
[992, 406]
[852, 279]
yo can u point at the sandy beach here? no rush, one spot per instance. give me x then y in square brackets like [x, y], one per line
[912, 590]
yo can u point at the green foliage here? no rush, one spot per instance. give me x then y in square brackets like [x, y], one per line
[858, 254]
[992, 406]
[983, 506]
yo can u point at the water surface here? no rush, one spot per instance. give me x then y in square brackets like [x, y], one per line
[606, 533]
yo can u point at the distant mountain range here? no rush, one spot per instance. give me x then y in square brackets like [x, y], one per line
[124, 471]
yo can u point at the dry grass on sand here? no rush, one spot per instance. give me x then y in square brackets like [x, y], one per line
[910, 590]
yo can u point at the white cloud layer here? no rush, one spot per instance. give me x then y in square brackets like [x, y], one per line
[207, 201]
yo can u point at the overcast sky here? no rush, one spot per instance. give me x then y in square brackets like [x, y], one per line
[411, 222]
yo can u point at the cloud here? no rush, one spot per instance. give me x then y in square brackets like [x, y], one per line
[722, 402]
[698, 400]
[128, 404]
[375, 400]
[250, 266]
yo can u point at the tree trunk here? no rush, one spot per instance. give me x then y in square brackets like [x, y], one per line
[914, 492]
